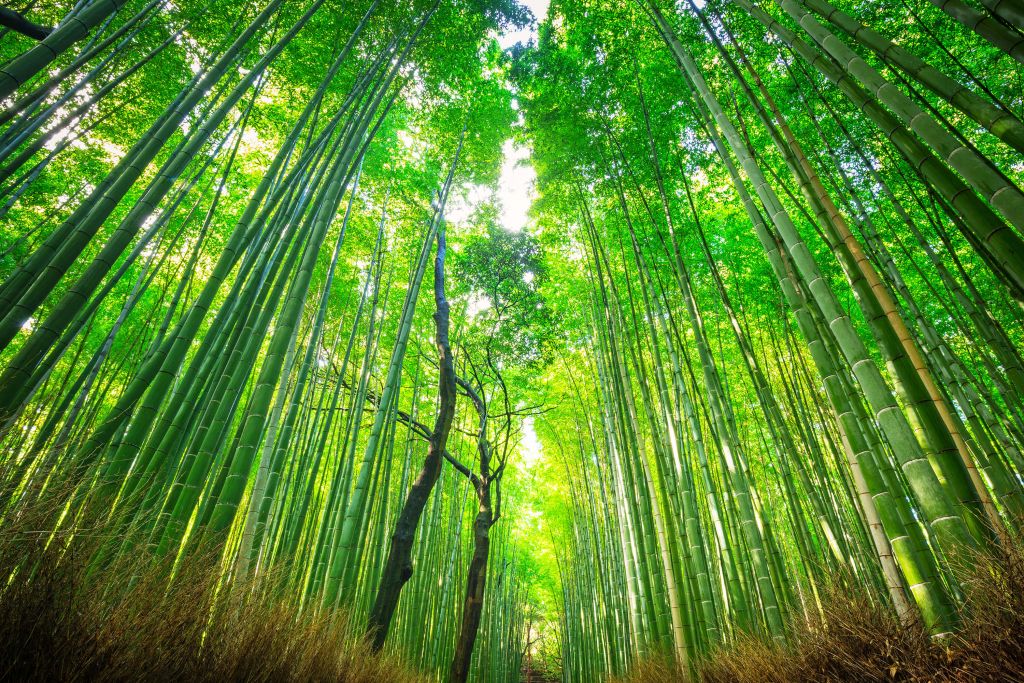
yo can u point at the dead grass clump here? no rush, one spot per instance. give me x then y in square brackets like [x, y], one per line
[989, 646]
[859, 641]
[64, 619]
[658, 668]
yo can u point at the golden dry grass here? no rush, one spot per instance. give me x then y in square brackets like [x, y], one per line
[61, 620]
[859, 641]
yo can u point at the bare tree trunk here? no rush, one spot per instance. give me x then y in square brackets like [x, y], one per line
[398, 567]
[473, 605]
[476, 578]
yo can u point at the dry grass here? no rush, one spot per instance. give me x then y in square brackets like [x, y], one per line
[859, 641]
[59, 621]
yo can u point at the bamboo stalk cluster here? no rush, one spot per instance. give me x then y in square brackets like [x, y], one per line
[214, 341]
[729, 450]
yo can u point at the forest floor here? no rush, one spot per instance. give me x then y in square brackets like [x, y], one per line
[64, 618]
[855, 639]
[69, 620]
[536, 676]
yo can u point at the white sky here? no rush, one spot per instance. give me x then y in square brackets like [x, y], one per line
[515, 188]
[529, 445]
[515, 192]
[510, 38]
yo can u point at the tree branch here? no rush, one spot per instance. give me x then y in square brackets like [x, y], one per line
[415, 426]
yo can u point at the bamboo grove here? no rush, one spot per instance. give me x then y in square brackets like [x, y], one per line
[793, 357]
[217, 339]
[258, 304]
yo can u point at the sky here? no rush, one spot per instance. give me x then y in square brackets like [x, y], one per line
[515, 189]
[540, 10]
[515, 192]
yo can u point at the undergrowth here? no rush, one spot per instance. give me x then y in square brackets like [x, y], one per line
[858, 640]
[64, 618]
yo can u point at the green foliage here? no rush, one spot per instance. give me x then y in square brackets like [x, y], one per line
[709, 403]
[503, 273]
